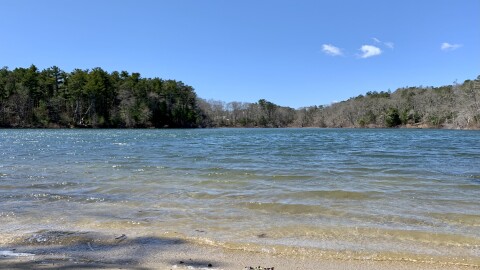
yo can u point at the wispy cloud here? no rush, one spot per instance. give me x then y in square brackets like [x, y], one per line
[369, 51]
[331, 50]
[449, 47]
[387, 44]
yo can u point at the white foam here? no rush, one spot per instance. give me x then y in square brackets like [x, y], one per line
[8, 253]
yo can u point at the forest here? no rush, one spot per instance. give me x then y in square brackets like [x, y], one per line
[53, 98]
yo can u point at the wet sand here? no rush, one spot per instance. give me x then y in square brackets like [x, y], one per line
[89, 250]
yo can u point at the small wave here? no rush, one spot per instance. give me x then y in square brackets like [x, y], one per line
[57, 238]
[458, 218]
[364, 254]
[475, 178]
[215, 169]
[222, 182]
[51, 197]
[8, 253]
[94, 199]
[293, 209]
[120, 144]
[67, 238]
[53, 185]
[468, 186]
[291, 177]
[55, 197]
[7, 214]
[335, 195]
[203, 195]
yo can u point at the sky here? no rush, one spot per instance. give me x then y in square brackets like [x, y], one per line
[292, 53]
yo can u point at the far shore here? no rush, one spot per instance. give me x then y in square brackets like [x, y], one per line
[409, 126]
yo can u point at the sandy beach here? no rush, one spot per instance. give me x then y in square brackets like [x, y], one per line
[93, 250]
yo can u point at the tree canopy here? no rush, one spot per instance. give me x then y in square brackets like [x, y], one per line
[93, 98]
[450, 106]
[30, 97]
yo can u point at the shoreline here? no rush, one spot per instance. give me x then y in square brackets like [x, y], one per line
[411, 127]
[92, 250]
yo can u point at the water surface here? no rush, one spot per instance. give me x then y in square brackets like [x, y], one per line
[379, 194]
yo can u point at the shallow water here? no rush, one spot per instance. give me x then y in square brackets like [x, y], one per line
[378, 194]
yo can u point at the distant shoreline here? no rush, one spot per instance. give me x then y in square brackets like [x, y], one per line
[421, 127]
[53, 98]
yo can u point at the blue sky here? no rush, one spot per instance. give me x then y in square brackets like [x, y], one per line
[293, 53]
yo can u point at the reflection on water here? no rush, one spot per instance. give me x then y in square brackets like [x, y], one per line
[380, 194]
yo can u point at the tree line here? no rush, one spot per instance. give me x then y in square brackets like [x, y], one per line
[95, 98]
[451, 106]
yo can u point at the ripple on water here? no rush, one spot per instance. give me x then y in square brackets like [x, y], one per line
[337, 190]
[334, 195]
[458, 219]
[292, 209]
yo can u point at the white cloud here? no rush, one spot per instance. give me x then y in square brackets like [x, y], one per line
[369, 51]
[449, 47]
[387, 44]
[331, 50]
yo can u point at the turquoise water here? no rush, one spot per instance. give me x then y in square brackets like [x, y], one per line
[367, 193]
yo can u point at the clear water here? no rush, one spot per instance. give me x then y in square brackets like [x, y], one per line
[379, 194]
